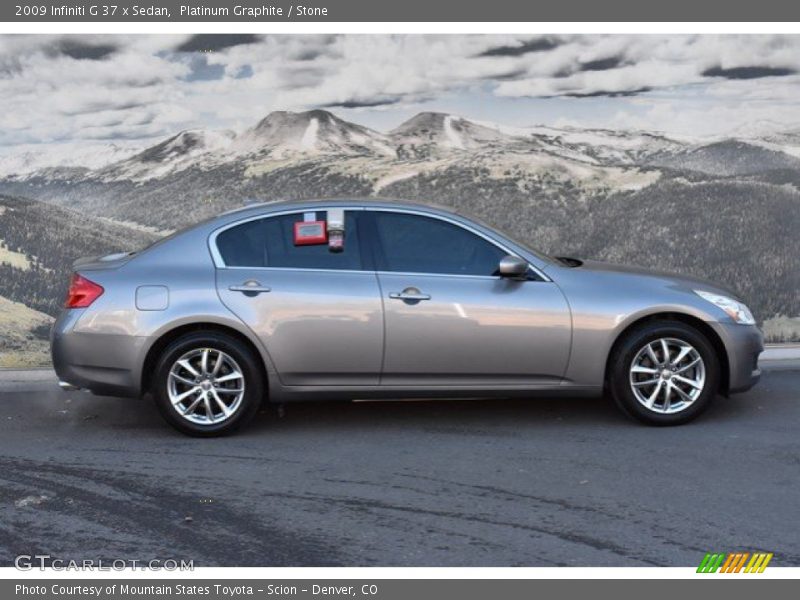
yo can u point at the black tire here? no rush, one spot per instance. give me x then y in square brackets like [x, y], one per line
[254, 382]
[624, 353]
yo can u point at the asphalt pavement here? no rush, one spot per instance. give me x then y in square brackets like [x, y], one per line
[541, 482]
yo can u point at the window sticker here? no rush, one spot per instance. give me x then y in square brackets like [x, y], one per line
[309, 233]
[336, 230]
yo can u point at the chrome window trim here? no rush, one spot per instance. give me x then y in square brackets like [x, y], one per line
[220, 263]
[352, 271]
[457, 275]
[296, 269]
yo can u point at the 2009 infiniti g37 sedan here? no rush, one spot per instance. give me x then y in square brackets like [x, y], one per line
[372, 299]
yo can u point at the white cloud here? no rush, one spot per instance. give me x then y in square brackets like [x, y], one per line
[140, 87]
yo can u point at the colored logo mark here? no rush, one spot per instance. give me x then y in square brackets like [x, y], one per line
[735, 562]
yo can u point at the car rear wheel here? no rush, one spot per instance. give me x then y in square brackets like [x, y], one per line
[208, 384]
[664, 373]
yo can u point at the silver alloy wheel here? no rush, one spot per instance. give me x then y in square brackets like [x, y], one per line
[667, 375]
[206, 386]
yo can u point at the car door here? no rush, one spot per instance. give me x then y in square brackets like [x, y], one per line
[451, 320]
[318, 313]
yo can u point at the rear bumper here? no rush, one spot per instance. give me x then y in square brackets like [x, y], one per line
[104, 364]
[743, 344]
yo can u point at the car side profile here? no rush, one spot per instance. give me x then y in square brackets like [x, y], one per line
[376, 299]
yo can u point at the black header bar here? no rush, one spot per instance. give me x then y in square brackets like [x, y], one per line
[470, 11]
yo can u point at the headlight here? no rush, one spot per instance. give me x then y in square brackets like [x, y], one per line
[735, 309]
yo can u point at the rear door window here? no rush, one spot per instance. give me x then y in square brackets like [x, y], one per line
[269, 242]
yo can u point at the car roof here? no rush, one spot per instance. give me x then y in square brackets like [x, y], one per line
[202, 230]
[378, 202]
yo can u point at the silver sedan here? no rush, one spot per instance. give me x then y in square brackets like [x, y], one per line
[369, 299]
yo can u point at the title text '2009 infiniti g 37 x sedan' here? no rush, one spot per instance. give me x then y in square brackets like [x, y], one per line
[372, 299]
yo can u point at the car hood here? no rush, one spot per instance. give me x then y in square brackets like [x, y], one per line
[687, 281]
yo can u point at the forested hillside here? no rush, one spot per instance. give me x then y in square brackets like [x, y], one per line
[39, 242]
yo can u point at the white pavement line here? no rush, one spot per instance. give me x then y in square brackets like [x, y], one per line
[780, 352]
[27, 375]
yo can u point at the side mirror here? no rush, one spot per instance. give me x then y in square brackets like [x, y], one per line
[513, 266]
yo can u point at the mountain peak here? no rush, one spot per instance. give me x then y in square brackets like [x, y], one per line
[285, 133]
[185, 149]
[426, 119]
[186, 142]
[430, 131]
[281, 117]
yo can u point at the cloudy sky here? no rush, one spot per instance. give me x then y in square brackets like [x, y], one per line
[68, 88]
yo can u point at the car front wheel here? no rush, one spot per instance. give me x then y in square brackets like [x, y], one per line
[208, 384]
[664, 373]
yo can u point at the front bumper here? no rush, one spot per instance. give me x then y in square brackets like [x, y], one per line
[104, 364]
[743, 344]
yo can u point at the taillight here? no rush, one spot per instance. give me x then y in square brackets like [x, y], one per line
[82, 292]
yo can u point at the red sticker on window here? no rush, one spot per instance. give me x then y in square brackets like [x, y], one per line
[307, 233]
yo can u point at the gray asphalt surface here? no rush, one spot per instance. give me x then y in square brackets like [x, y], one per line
[486, 483]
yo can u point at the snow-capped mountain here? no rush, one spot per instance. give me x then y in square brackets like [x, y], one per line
[21, 161]
[606, 146]
[190, 148]
[283, 134]
[787, 141]
[278, 136]
[429, 133]
[430, 142]
[425, 141]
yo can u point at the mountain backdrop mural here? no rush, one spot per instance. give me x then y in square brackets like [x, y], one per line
[723, 208]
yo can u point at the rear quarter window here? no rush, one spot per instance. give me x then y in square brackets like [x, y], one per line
[243, 245]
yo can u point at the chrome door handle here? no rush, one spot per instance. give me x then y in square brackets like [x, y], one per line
[250, 287]
[409, 294]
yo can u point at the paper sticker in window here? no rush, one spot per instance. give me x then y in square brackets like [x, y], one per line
[308, 233]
